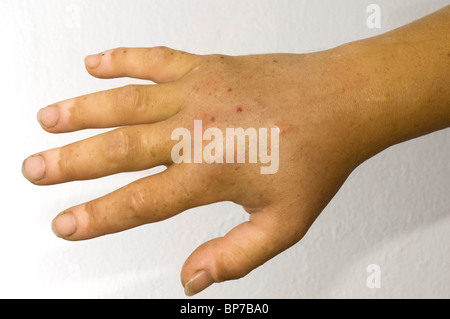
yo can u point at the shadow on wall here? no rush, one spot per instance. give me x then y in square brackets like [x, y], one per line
[382, 213]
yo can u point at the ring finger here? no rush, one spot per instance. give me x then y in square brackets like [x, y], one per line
[128, 105]
[126, 149]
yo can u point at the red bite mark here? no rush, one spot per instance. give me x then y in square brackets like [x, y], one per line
[229, 90]
[239, 110]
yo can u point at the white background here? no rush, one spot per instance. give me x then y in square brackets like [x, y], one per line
[393, 211]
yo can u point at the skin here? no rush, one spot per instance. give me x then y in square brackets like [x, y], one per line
[334, 109]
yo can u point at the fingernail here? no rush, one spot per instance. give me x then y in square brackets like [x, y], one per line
[198, 283]
[64, 225]
[92, 61]
[48, 116]
[33, 168]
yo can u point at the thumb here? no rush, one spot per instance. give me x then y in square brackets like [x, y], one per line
[244, 248]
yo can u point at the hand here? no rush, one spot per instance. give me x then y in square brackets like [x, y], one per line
[330, 111]
[291, 92]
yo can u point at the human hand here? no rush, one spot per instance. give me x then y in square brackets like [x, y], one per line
[294, 93]
[331, 111]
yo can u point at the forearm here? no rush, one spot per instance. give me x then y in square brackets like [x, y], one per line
[404, 80]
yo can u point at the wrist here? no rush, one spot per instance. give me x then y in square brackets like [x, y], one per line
[399, 91]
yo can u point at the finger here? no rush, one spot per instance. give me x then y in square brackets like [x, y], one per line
[128, 105]
[126, 149]
[243, 249]
[158, 64]
[148, 200]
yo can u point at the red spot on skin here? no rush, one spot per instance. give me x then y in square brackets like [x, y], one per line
[229, 90]
[239, 110]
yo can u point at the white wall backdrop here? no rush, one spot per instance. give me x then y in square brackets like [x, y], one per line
[393, 211]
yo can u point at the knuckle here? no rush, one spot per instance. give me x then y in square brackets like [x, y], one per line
[117, 54]
[135, 201]
[129, 98]
[66, 163]
[95, 217]
[165, 56]
[162, 52]
[220, 62]
[118, 145]
[228, 267]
